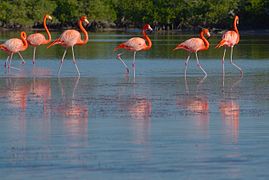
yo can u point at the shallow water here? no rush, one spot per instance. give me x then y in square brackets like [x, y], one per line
[106, 125]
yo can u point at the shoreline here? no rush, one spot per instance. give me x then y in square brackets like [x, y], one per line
[217, 31]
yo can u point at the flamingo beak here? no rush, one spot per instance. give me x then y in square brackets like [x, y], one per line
[238, 21]
[49, 17]
[86, 20]
[208, 34]
[150, 29]
[87, 23]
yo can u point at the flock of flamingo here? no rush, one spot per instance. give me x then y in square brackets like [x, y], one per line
[70, 38]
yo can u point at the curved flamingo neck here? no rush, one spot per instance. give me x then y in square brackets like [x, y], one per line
[147, 39]
[236, 30]
[205, 41]
[47, 30]
[235, 26]
[82, 42]
[25, 43]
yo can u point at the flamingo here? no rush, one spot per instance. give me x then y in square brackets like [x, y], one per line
[69, 38]
[13, 46]
[229, 39]
[38, 39]
[194, 45]
[135, 44]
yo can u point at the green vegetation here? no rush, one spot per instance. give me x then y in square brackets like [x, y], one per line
[164, 14]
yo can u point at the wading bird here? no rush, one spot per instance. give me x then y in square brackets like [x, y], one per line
[13, 46]
[69, 38]
[38, 39]
[135, 44]
[229, 39]
[194, 45]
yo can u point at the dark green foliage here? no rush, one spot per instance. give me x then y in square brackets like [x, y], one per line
[167, 14]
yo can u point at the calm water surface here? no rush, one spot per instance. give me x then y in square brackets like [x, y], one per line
[106, 125]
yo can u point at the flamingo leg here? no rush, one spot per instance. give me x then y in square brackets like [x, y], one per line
[234, 63]
[133, 65]
[186, 86]
[74, 60]
[62, 61]
[75, 87]
[23, 62]
[223, 58]
[11, 56]
[6, 62]
[199, 65]
[186, 65]
[119, 58]
[34, 55]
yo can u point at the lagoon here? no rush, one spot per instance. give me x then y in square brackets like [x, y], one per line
[106, 125]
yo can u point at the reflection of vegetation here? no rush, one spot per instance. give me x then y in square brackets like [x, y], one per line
[168, 14]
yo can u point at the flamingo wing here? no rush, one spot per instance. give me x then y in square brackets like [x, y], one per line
[14, 45]
[133, 44]
[192, 45]
[230, 38]
[70, 37]
[36, 39]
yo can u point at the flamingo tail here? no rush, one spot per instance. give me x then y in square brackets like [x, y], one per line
[120, 46]
[57, 41]
[180, 46]
[221, 43]
[2, 47]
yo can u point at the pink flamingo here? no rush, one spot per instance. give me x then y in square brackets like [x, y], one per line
[38, 39]
[15, 45]
[135, 44]
[194, 45]
[69, 38]
[230, 38]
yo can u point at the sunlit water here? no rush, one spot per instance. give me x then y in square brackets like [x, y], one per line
[106, 125]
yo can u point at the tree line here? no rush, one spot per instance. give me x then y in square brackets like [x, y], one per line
[162, 14]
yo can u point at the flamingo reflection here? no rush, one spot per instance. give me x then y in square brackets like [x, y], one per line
[22, 97]
[139, 108]
[76, 113]
[20, 91]
[41, 88]
[195, 105]
[17, 92]
[230, 113]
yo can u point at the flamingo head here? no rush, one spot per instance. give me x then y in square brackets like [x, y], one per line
[23, 35]
[48, 17]
[206, 31]
[236, 19]
[84, 19]
[147, 27]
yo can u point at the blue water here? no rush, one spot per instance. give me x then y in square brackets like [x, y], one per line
[106, 125]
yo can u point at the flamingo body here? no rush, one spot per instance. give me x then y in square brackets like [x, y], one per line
[133, 44]
[13, 45]
[229, 39]
[69, 38]
[36, 39]
[192, 45]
